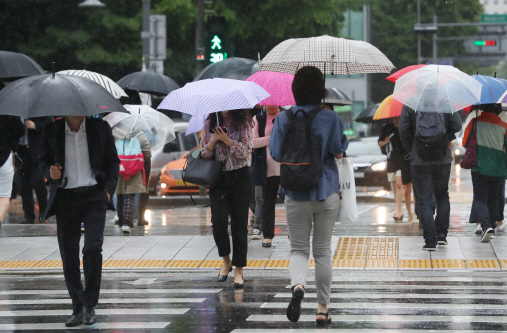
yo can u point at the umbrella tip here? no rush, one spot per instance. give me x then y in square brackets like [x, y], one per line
[53, 69]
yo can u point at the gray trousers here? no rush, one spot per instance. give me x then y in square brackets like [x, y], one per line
[300, 215]
[258, 208]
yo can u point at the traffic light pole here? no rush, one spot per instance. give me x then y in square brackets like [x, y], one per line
[199, 33]
[145, 34]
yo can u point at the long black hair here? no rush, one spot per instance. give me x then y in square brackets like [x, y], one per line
[239, 119]
[490, 108]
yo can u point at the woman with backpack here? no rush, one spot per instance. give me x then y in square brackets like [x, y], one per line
[229, 139]
[265, 173]
[135, 156]
[306, 140]
[488, 123]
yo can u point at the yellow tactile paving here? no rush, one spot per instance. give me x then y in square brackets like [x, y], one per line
[351, 248]
[348, 263]
[382, 263]
[48, 264]
[184, 264]
[19, 264]
[278, 263]
[382, 248]
[118, 263]
[151, 263]
[211, 264]
[2, 263]
[448, 263]
[482, 263]
[503, 263]
[415, 263]
[256, 263]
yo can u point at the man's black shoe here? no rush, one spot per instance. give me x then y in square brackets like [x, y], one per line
[26, 221]
[429, 247]
[442, 240]
[42, 220]
[75, 320]
[89, 316]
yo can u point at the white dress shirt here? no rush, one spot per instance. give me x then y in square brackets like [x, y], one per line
[77, 160]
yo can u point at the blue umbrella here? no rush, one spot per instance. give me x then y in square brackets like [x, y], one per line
[492, 88]
[203, 97]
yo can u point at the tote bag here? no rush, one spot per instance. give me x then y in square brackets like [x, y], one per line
[348, 205]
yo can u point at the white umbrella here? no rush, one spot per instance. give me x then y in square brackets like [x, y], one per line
[330, 54]
[438, 88]
[102, 80]
[158, 128]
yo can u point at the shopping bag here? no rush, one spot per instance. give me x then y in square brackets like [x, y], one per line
[348, 205]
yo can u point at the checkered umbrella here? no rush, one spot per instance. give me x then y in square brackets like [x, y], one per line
[330, 54]
[103, 80]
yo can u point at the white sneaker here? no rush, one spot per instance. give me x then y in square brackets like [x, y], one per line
[487, 235]
[116, 219]
[478, 230]
[256, 234]
[501, 228]
[125, 229]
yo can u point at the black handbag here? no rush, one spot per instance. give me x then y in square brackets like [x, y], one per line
[202, 172]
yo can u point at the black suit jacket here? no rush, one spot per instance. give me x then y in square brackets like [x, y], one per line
[104, 160]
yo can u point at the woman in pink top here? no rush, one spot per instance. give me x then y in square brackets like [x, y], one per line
[266, 171]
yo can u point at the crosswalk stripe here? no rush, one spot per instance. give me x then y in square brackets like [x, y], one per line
[104, 301]
[98, 326]
[351, 330]
[114, 291]
[407, 286]
[389, 318]
[100, 312]
[401, 295]
[411, 306]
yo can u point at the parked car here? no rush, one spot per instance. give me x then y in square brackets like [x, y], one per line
[170, 152]
[370, 166]
[170, 176]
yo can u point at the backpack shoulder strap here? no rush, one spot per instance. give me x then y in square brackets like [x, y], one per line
[314, 112]
[290, 114]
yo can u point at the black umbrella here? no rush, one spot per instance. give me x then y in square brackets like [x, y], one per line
[222, 68]
[335, 96]
[149, 82]
[243, 72]
[56, 95]
[15, 65]
[367, 115]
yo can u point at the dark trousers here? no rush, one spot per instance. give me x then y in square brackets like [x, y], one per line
[429, 180]
[500, 201]
[269, 193]
[487, 191]
[125, 209]
[31, 179]
[89, 208]
[234, 187]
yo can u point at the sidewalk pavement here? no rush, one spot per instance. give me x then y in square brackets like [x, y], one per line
[170, 253]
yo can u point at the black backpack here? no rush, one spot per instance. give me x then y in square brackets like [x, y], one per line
[301, 163]
[431, 132]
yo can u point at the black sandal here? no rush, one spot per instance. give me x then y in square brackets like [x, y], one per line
[294, 308]
[323, 321]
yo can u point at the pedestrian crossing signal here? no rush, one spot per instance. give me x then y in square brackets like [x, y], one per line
[216, 41]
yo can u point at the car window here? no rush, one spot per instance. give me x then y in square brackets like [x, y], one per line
[189, 141]
[173, 146]
[366, 147]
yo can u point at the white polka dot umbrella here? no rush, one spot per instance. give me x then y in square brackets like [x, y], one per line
[212, 95]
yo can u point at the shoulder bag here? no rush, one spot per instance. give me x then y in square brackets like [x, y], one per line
[469, 160]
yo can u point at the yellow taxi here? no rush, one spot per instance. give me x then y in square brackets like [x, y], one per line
[171, 181]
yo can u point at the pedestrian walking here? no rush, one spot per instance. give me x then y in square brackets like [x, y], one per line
[30, 175]
[133, 148]
[500, 223]
[426, 136]
[11, 129]
[79, 158]
[398, 168]
[489, 123]
[306, 139]
[227, 137]
[266, 174]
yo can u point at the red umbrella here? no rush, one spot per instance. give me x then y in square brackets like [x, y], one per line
[396, 75]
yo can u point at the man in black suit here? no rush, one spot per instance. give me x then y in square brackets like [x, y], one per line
[79, 157]
[29, 174]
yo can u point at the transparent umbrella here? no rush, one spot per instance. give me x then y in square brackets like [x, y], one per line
[158, 128]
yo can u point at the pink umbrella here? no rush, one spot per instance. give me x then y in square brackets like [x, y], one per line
[278, 85]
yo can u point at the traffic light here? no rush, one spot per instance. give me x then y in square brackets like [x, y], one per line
[216, 43]
[485, 43]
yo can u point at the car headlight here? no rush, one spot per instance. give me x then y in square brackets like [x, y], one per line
[163, 185]
[457, 152]
[381, 166]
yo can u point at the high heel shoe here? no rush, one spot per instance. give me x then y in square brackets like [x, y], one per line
[239, 285]
[222, 278]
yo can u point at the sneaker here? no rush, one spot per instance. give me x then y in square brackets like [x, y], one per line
[125, 229]
[442, 240]
[501, 227]
[116, 219]
[487, 235]
[256, 234]
[429, 247]
[478, 230]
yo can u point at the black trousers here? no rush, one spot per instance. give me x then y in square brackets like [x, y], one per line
[31, 179]
[237, 185]
[72, 209]
[487, 194]
[269, 194]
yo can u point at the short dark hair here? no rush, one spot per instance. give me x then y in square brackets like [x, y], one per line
[308, 86]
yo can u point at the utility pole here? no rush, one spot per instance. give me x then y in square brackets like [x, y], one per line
[435, 41]
[145, 34]
[419, 56]
[199, 34]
